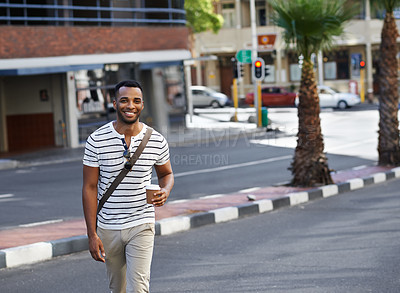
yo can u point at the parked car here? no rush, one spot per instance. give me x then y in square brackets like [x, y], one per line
[332, 98]
[204, 97]
[273, 96]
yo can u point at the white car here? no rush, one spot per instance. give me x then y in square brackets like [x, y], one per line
[331, 98]
[204, 97]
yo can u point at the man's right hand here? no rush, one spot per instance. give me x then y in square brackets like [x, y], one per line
[96, 248]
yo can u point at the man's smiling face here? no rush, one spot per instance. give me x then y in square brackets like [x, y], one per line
[129, 104]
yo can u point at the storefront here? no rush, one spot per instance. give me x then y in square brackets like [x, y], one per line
[95, 93]
[60, 104]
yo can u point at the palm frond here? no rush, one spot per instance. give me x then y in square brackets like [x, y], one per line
[388, 5]
[311, 24]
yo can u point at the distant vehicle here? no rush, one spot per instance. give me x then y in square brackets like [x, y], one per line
[273, 96]
[205, 97]
[332, 98]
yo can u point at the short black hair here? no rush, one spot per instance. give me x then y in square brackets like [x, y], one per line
[127, 83]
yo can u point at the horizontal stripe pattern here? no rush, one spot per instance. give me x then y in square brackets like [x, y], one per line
[127, 206]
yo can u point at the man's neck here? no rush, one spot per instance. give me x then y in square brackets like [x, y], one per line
[128, 129]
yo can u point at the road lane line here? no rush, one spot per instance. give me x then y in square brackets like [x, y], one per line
[249, 190]
[178, 201]
[212, 196]
[3, 200]
[40, 223]
[359, 167]
[233, 166]
[8, 195]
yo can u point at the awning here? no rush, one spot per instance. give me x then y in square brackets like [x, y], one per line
[45, 65]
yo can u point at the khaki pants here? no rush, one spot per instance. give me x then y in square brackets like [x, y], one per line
[128, 257]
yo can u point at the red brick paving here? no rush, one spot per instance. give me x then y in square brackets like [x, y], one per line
[23, 236]
[365, 172]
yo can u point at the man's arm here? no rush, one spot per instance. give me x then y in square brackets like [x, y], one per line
[89, 201]
[166, 182]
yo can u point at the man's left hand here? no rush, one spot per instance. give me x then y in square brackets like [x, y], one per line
[160, 197]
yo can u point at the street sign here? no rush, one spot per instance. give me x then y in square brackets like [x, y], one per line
[266, 42]
[244, 56]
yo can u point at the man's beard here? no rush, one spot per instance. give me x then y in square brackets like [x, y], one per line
[122, 118]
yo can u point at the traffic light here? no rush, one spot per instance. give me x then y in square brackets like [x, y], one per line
[259, 69]
[241, 69]
[266, 71]
[362, 64]
[234, 68]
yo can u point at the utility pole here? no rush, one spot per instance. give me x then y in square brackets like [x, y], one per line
[362, 80]
[254, 55]
[187, 64]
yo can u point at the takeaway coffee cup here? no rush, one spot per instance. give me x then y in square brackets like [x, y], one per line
[150, 190]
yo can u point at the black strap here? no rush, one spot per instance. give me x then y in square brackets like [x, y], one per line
[125, 171]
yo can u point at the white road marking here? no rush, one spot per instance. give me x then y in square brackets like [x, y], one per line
[40, 223]
[4, 200]
[204, 197]
[359, 167]
[8, 195]
[249, 190]
[212, 196]
[233, 166]
[178, 201]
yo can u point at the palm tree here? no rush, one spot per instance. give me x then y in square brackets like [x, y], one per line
[310, 26]
[388, 142]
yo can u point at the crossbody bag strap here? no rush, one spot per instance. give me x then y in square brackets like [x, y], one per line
[124, 171]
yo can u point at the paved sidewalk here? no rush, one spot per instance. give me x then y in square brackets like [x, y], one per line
[25, 245]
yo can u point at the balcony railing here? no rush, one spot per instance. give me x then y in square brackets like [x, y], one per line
[101, 14]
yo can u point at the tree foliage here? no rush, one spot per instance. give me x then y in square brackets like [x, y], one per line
[200, 16]
[311, 24]
[388, 5]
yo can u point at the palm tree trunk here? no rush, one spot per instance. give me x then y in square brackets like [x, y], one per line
[309, 166]
[388, 144]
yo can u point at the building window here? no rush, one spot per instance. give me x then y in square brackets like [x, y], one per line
[92, 12]
[261, 13]
[294, 67]
[355, 64]
[269, 68]
[336, 65]
[360, 5]
[229, 15]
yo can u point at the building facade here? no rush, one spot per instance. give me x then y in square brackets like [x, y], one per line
[339, 68]
[60, 59]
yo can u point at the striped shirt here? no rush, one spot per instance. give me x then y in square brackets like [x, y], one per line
[127, 206]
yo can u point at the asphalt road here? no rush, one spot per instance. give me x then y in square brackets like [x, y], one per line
[53, 192]
[345, 243]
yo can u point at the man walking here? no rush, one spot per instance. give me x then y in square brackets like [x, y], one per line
[124, 236]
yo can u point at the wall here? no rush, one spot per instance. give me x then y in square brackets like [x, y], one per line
[23, 94]
[3, 124]
[23, 103]
[30, 131]
[58, 94]
[36, 41]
